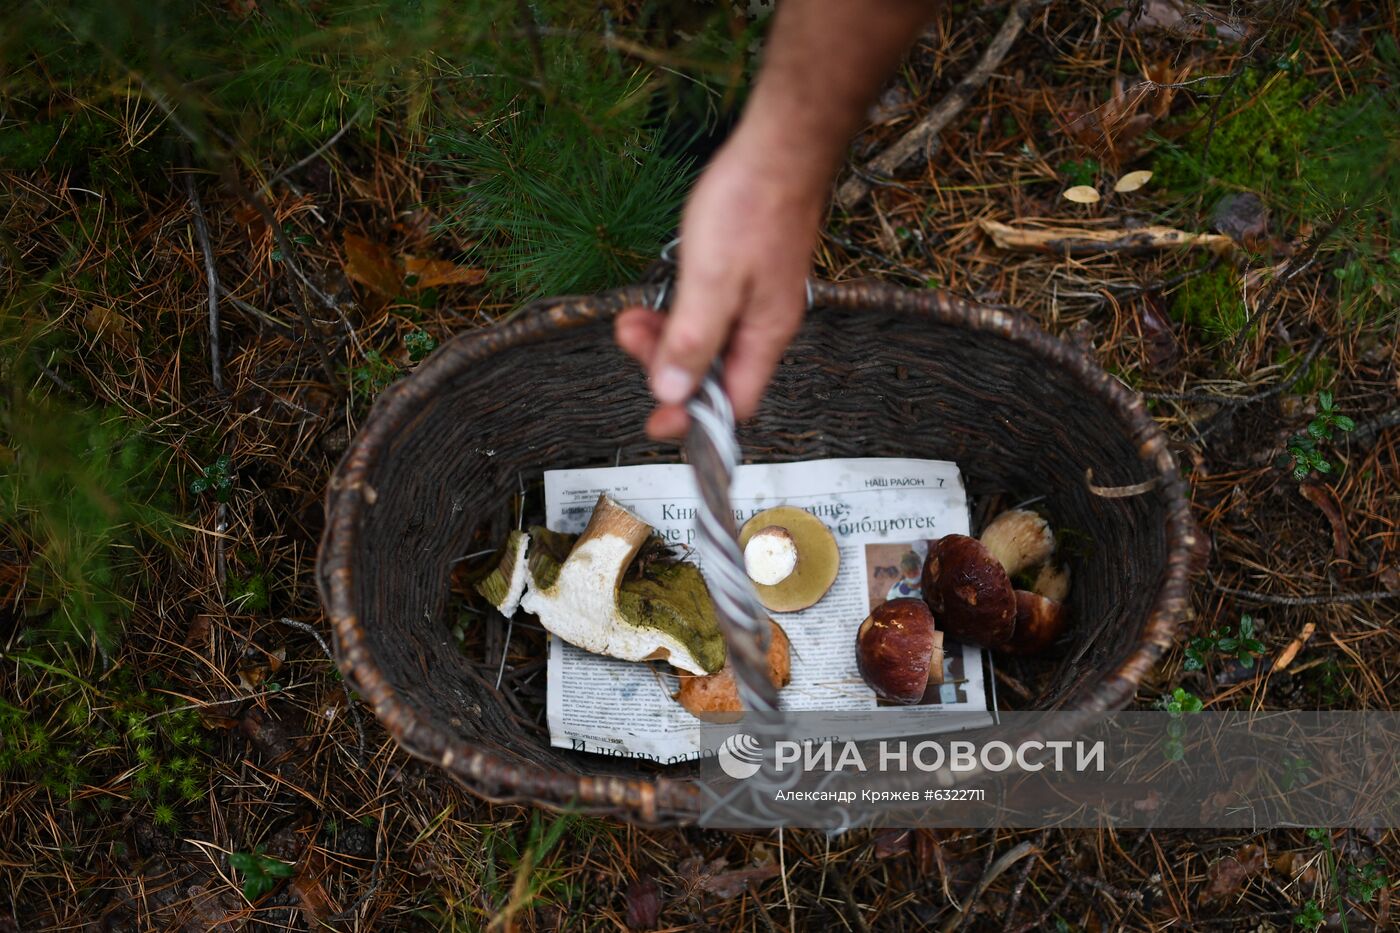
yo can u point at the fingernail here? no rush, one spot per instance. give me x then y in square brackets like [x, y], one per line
[672, 385]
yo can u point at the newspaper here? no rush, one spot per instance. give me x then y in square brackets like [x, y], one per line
[883, 513]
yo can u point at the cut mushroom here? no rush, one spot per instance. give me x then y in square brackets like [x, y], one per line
[715, 697]
[505, 584]
[899, 652]
[1019, 539]
[770, 557]
[817, 557]
[969, 591]
[664, 614]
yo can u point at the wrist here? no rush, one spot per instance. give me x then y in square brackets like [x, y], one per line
[798, 159]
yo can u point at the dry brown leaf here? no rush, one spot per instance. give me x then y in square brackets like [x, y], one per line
[643, 903]
[1228, 876]
[1132, 181]
[433, 273]
[315, 902]
[1082, 194]
[1325, 499]
[372, 265]
[107, 322]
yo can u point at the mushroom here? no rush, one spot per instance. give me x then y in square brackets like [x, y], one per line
[715, 697]
[770, 557]
[1019, 539]
[505, 584]
[969, 591]
[1039, 621]
[899, 652]
[665, 613]
[774, 534]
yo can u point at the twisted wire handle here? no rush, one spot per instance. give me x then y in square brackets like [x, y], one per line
[713, 451]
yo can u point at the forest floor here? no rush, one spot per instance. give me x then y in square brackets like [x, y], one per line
[214, 753]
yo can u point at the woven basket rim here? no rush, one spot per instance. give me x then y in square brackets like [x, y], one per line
[653, 798]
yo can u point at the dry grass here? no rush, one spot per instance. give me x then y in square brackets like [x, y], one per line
[381, 842]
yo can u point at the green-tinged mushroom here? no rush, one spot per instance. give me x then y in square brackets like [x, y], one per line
[505, 584]
[664, 612]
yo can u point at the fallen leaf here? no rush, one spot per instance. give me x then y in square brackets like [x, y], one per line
[643, 903]
[1158, 333]
[1082, 194]
[710, 878]
[1166, 15]
[371, 264]
[1325, 499]
[112, 324]
[1242, 217]
[432, 273]
[1227, 876]
[731, 884]
[315, 902]
[1132, 181]
[891, 842]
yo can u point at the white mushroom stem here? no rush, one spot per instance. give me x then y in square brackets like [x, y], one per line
[770, 557]
[1052, 582]
[1019, 539]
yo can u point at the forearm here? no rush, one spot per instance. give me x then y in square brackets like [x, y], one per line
[824, 63]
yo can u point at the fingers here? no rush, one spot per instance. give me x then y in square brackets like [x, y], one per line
[637, 331]
[707, 303]
[754, 351]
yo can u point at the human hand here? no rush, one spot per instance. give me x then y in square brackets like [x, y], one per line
[747, 237]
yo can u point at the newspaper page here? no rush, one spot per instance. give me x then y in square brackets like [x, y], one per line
[883, 513]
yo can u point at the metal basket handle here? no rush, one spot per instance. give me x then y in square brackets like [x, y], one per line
[713, 451]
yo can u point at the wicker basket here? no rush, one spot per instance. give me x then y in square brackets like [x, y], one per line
[875, 372]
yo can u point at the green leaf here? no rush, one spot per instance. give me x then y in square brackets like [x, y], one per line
[1344, 423]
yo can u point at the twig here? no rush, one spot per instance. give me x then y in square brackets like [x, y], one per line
[923, 135]
[1003, 862]
[201, 232]
[1237, 400]
[1318, 599]
[1297, 264]
[1020, 887]
[349, 701]
[315, 152]
[313, 333]
[1077, 241]
[1367, 430]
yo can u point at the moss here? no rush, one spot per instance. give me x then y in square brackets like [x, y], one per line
[673, 598]
[495, 586]
[1261, 131]
[1211, 304]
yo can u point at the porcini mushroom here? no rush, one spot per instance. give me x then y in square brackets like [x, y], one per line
[770, 557]
[665, 613]
[505, 584]
[715, 697]
[1039, 622]
[816, 557]
[969, 591]
[899, 652]
[1019, 539]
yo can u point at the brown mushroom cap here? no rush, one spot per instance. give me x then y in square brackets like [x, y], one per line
[818, 558]
[969, 591]
[715, 697]
[1039, 622]
[895, 650]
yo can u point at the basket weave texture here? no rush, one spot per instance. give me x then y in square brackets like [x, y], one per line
[875, 372]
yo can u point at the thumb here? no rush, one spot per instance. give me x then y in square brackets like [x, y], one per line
[696, 330]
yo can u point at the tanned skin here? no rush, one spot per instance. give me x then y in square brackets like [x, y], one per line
[751, 223]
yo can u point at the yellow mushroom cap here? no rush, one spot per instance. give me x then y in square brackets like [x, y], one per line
[818, 558]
